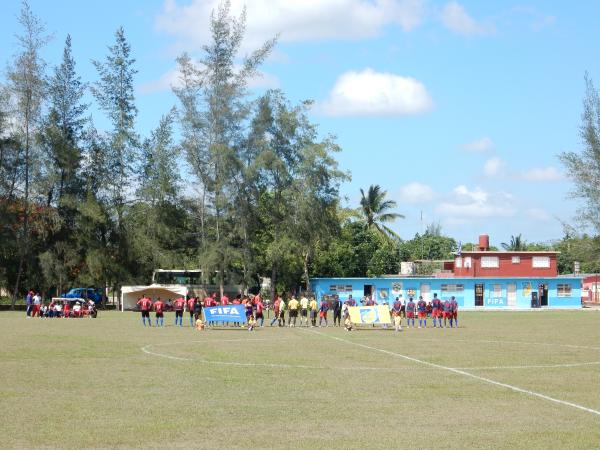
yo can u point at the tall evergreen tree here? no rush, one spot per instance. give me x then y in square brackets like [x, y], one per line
[27, 88]
[584, 167]
[214, 114]
[61, 141]
[115, 95]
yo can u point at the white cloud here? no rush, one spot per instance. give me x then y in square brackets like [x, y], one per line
[295, 21]
[464, 203]
[494, 167]
[538, 214]
[170, 79]
[370, 93]
[541, 174]
[483, 145]
[456, 19]
[416, 192]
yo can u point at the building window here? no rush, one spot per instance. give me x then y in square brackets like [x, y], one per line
[467, 262]
[516, 260]
[497, 290]
[564, 290]
[340, 288]
[490, 262]
[540, 262]
[458, 263]
[453, 287]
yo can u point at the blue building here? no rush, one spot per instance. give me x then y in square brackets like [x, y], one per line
[470, 293]
[479, 278]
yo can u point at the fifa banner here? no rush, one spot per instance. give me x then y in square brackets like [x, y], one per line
[370, 314]
[229, 313]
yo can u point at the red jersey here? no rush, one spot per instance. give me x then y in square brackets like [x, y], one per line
[190, 303]
[178, 304]
[224, 300]
[207, 301]
[259, 307]
[236, 302]
[145, 304]
[159, 306]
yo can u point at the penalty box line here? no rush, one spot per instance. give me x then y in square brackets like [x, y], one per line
[462, 372]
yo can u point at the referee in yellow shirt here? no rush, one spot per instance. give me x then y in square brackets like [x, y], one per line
[293, 306]
[314, 309]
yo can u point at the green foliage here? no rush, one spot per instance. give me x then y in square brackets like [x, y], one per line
[583, 168]
[428, 247]
[516, 244]
[376, 209]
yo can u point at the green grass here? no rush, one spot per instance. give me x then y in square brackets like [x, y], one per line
[87, 383]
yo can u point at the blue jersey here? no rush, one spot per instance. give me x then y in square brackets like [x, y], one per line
[410, 306]
[422, 306]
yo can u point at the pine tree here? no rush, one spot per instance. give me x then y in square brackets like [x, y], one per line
[27, 88]
[115, 95]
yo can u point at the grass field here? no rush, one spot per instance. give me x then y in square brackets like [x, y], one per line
[501, 380]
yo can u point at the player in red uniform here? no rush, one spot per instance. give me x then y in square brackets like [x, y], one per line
[159, 307]
[447, 312]
[209, 301]
[191, 304]
[178, 306]
[410, 312]
[454, 312]
[422, 312]
[145, 305]
[436, 310]
[258, 304]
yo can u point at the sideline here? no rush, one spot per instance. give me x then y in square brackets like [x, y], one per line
[461, 372]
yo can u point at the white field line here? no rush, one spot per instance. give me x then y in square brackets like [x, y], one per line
[463, 373]
[490, 341]
[146, 349]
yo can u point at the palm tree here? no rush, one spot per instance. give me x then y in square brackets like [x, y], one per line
[516, 244]
[376, 210]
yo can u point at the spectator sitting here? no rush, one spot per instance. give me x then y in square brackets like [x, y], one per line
[77, 310]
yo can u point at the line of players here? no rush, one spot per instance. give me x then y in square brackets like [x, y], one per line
[438, 309]
[254, 307]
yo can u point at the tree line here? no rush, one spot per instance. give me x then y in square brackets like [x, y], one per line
[91, 207]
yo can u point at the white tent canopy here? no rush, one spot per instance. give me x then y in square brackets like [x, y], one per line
[131, 294]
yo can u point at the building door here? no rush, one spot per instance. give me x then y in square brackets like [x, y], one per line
[543, 294]
[369, 290]
[511, 295]
[479, 294]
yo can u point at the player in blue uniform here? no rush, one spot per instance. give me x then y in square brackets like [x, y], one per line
[448, 312]
[422, 312]
[410, 312]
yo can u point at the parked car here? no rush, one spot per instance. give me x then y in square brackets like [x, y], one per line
[86, 293]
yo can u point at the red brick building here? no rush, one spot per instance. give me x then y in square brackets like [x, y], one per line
[486, 263]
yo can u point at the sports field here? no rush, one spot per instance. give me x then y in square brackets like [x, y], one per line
[501, 380]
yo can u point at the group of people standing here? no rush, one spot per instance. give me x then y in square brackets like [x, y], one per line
[437, 309]
[444, 313]
[58, 307]
[253, 304]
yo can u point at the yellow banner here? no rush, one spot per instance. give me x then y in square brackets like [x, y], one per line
[370, 314]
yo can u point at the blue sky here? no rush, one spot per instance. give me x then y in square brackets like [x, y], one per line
[457, 109]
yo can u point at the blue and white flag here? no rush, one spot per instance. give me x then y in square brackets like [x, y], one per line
[228, 313]
[459, 250]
